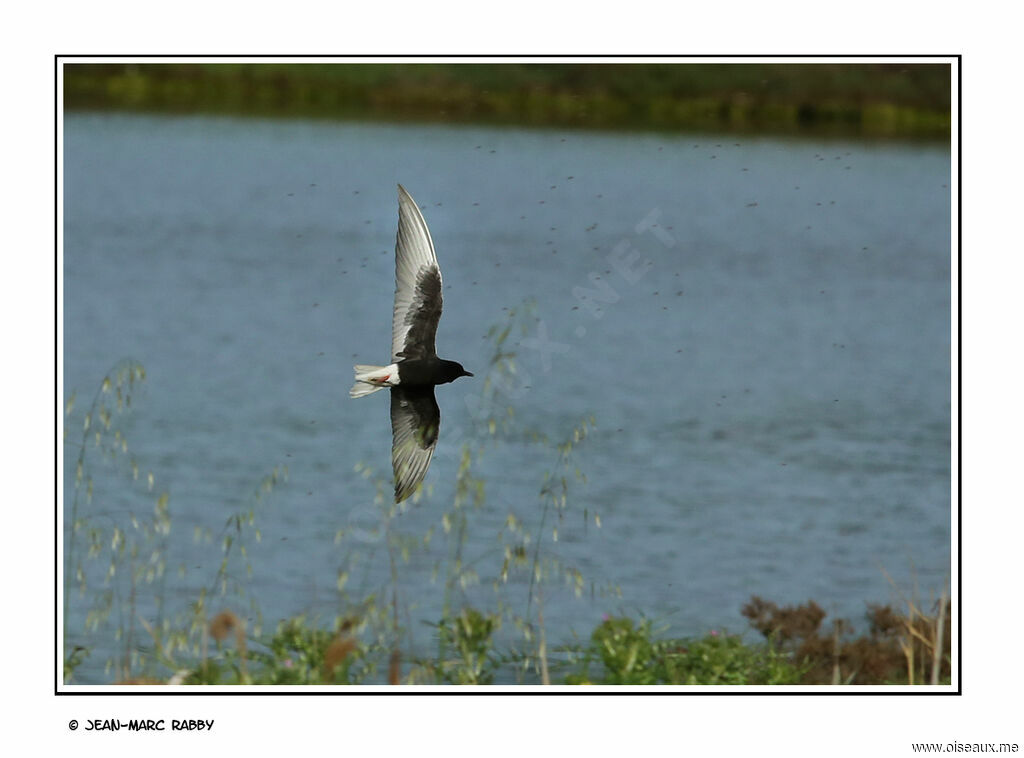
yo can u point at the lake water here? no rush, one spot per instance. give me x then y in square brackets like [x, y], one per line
[759, 327]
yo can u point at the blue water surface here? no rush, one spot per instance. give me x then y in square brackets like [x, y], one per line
[760, 329]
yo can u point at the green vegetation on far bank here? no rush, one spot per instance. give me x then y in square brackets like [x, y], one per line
[905, 100]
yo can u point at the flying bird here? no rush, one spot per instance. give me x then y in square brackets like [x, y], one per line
[415, 368]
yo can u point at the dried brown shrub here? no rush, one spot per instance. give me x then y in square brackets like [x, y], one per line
[899, 647]
[336, 654]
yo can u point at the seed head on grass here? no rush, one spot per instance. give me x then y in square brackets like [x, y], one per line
[223, 624]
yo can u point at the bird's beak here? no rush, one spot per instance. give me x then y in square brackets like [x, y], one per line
[466, 373]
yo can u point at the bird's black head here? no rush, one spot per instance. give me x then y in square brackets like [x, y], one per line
[450, 371]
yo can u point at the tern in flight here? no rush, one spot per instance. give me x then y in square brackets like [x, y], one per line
[415, 368]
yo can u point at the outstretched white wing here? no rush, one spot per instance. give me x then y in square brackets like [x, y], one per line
[417, 284]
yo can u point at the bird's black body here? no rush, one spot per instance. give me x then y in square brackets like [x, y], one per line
[415, 416]
[429, 372]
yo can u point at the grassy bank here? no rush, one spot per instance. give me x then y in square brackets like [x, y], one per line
[901, 647]
[863, 99]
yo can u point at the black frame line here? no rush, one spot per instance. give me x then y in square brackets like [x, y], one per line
[355, 690]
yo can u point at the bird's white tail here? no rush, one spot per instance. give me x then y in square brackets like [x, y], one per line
[369, 379]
